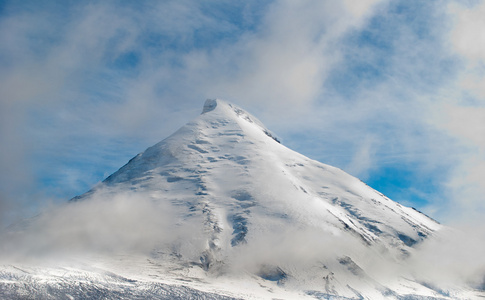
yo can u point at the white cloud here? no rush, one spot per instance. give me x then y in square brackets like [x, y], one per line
[467, 39]
[364, 159]
[361, 9]
[467, 36]
[459, 111]
[467, 122]
[282, 66]
[451, 258]
[109, 223]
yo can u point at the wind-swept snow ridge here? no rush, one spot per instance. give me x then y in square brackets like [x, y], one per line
[242, 209]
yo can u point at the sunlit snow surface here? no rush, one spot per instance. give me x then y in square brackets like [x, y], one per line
[222, 210]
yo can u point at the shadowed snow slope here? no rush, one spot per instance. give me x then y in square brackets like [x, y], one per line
[222, 207]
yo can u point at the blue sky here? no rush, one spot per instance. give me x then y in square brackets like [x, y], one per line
[390, 91]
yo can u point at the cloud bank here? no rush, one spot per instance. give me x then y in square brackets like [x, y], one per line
[118, 224]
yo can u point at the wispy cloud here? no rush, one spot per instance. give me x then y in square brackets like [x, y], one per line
[371, 88]
[109, 223]
[79, 80]
[452, 258]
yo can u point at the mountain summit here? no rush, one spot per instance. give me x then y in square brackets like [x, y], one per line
[229, 203]
[226, 159]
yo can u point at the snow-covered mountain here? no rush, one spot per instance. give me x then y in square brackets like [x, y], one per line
[221, 209]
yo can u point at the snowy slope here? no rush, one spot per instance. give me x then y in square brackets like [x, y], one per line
[246, 217]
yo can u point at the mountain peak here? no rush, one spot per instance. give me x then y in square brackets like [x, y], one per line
[223, 109]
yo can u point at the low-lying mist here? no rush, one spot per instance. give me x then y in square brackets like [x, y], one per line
[453, 257]
[109, 223]
[128, 222]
